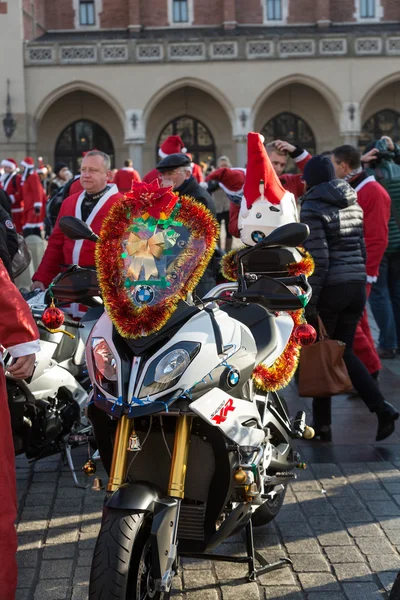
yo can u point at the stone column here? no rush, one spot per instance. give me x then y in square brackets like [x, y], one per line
[350, 123]
[135, 136]
[229, 15]
[135, 149]
[242, 125]
[134, 15]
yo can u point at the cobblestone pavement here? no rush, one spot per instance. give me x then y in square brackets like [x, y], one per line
[339, 525]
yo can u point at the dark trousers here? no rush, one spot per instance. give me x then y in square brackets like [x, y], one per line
[385, 301]
[340, 308]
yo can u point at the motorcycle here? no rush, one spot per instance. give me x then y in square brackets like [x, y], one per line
[198, 454]
[48, 409]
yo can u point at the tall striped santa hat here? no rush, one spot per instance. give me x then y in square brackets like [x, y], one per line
[41, 166]
[172, 145]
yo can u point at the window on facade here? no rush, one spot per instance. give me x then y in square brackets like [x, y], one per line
[80, 137]
[291, 128]
[367, 9]
[384, 122]
[180, 11]
[87, 12]
[274, 10]
[197, 138]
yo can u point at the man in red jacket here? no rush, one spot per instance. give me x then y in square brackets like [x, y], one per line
[33, 199]
[172, 145]
[375, 202]
[124, 177]
[92, 206]
[20, 337]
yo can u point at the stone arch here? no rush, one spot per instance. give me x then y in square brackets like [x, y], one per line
[381, 86]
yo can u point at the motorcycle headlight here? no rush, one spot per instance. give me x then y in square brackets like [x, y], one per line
[105, 366]
[165, 371]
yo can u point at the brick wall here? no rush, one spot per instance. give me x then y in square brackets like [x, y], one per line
[342, 10]
[59, 15]
[391, 10]
[115, 14]
[302, 11]
[249, 11]
[34, 18]
[208, 12]
[154, 13]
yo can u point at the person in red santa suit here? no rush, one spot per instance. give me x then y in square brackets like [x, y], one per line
[197, 171]
[172, 145]
[92, 206]
[278, 153]
[375, 202]
[20, 337]
[126, 176]
[33, 198]
[11, 184]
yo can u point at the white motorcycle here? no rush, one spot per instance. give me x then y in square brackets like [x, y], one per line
[198, 455]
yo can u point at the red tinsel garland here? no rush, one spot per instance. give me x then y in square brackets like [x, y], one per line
[132, 321]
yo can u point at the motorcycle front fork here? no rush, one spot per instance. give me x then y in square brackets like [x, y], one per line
[176, 486]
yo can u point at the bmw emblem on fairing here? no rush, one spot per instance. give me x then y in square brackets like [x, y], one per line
[233, 377]
[144, 294]
[257, 236]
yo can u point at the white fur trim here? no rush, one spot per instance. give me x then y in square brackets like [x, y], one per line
[34, 225]
[162, 154]
[24, 349]
[78, 214]
[203, 184]
[8, 163]
[364, 182]
[37, 204]
[26, 165]
[262, 137]
[17, 210]
[371, 279]
[130, 169]
[302, 156]
[10, 177]
[183, 151]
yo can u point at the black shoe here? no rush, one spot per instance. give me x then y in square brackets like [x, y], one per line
[323, 433]
[385, 353]
[386, 420]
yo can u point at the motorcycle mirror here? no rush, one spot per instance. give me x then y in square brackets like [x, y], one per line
[75, 229]
[291, 234]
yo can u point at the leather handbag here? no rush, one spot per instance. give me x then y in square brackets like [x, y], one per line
[322, 369]
[22, 259]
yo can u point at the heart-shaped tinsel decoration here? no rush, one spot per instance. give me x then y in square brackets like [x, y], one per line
[52, 317]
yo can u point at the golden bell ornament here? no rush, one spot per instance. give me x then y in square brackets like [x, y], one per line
[97, 485]
[240, 477]
[89, 468]
[308, 433]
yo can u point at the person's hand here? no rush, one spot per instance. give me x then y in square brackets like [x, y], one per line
[370, 156]
[284, 146]
[22, 367]
[37, 285]
[389, 142]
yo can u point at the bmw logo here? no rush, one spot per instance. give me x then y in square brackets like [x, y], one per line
[144, 294]
[257, 236]
[233, 377]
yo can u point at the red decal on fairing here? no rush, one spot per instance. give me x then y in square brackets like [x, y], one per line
[222, 415]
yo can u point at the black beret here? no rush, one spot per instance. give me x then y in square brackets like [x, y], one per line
[173, 161]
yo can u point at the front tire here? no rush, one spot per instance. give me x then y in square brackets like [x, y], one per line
[268, 511]
[121, 567]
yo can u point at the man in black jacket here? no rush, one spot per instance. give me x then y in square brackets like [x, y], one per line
[8, 239]
[176, 172]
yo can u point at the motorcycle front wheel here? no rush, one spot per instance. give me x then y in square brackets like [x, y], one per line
[122, 562]
[268, 511]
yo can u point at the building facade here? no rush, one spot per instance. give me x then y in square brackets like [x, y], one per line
[123, 74]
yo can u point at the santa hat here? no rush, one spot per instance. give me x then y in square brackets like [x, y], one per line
[230, 180]
[172, 145]
[260, 169]
[41, 166]
[87, 152]
[266, 204]
[9, 162]
[29, 165]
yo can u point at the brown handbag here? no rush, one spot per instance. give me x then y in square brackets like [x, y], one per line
[322, 369]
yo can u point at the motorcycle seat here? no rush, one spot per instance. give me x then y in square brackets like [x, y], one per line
[261, 324]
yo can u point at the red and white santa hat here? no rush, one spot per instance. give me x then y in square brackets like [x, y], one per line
[230, 180]
[172, 145]
[9, 162]
[266, 204]
[28, 163]
[41, 166]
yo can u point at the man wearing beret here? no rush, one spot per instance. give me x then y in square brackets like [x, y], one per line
[176, 172]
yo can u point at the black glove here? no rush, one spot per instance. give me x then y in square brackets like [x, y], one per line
[312, 316]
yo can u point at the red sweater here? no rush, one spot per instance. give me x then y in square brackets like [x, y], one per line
[124, 179]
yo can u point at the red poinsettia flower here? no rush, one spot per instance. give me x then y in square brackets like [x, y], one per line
[154, 199]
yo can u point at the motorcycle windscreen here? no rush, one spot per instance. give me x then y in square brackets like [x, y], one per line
[147, 264]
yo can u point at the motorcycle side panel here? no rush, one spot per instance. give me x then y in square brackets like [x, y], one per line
[284, 327]
[54, 378]
[231, 415]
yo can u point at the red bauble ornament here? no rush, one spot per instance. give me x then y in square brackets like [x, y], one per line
[305, 334]
[52, 317]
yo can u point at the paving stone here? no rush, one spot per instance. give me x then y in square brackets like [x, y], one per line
[30, 541]
[318, 582]
[394, 536]
[352, 572]
[35, 512]
[282, 577]
[343, 554]
[357, 516]
[326, 596]
[392, 488]
[362, 591]
[374, 546]
[56, 569]
[81, 576]
[389, 523]
[291, 530]
[308, 546]
[38, 500]
[290, 515]
[286, 593]
[195, 564]
[27, 558]
[44, 477]
[338, 538]
[23, 594]
[267, 542]
[203, 595]
[53, 552]
[250, 591]
[364, 530]
[32, 526]
[320, 507]
[80, 593]
[387, 579]
[61, 536]
[50, 590]
[198, 579]
[228, 571]
[43, 488]
[384, 509]
[310, 563]
[377, 495]
[67, 505]
[343, 504]
[26, 577]
[384, 562]
[85, 558]
[326, 524]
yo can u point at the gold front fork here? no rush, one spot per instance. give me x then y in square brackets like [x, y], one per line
[120, 454]
[176, 487]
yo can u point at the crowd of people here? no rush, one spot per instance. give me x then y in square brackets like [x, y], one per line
[350, 202]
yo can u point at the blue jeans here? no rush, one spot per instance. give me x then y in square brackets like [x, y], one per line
[385, 301]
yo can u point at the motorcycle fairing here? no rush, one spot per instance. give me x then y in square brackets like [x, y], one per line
[238, 419]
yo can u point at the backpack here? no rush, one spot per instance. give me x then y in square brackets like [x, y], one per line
[22, 259]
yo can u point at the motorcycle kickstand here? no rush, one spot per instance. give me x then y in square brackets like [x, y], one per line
[252, 555]
[70, 462]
